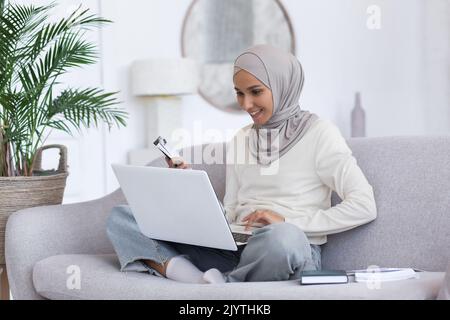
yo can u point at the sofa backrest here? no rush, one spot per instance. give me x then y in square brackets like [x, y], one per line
[410, 176]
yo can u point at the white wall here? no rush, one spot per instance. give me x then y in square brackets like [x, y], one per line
[146, 29]
[341, 56]
[339, 53]
[436, 65]
[402, 69]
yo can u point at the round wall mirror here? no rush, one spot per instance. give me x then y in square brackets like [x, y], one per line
[215, 32]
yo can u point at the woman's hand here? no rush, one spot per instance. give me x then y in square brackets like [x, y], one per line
[177, 163]
[263, 216]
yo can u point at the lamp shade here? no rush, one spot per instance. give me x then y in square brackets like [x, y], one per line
[155, 77]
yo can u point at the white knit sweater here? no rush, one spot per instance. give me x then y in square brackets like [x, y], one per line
[300, 190]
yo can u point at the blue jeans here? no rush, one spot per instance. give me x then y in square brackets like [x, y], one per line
[277, 251]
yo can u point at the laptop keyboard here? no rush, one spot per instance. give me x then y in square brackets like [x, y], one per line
[241, 237]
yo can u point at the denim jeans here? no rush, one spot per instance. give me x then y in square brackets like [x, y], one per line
[278, 251]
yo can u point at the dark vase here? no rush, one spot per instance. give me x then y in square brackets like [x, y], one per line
[358, 118]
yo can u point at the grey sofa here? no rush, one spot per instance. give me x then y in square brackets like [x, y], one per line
[411, 181]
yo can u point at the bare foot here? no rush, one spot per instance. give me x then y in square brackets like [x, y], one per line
[158, 267]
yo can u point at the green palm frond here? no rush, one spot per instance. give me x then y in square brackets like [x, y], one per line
[84, 108]
[16, 24]
[69, 51]
[33, 54]
[52, 31]
[15, 119]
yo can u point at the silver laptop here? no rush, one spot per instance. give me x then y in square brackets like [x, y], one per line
[178, 205]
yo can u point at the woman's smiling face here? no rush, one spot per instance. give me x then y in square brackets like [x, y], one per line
[253, 96]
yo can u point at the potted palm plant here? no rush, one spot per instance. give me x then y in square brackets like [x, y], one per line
[34, 53]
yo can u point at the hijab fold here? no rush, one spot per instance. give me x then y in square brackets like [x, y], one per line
[282, 73]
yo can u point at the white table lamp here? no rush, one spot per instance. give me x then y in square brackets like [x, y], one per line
[162, 82]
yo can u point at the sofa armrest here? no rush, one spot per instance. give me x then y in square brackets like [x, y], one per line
[36, 233]
[444, 293]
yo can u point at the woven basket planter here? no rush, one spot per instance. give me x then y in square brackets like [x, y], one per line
[45, 187]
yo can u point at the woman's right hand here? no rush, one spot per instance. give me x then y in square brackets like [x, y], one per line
[177, 163]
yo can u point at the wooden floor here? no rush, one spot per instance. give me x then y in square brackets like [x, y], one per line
[4, 286]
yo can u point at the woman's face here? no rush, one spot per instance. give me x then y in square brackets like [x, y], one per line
[253, 96]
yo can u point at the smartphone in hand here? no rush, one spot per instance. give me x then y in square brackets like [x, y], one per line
[162, 145]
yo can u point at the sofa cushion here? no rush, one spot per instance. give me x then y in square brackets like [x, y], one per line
[100, 278]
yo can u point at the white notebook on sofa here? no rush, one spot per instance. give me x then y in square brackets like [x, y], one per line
[382, 274]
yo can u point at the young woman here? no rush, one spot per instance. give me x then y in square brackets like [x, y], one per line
[291, 203]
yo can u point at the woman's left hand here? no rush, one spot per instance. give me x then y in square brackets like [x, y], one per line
[263, 216]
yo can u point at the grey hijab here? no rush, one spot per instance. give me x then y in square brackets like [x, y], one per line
[282, 73]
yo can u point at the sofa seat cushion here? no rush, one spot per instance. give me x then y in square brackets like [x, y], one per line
[100, 278]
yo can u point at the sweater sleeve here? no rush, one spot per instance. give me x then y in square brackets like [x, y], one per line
[231, 191]
[338, 169]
